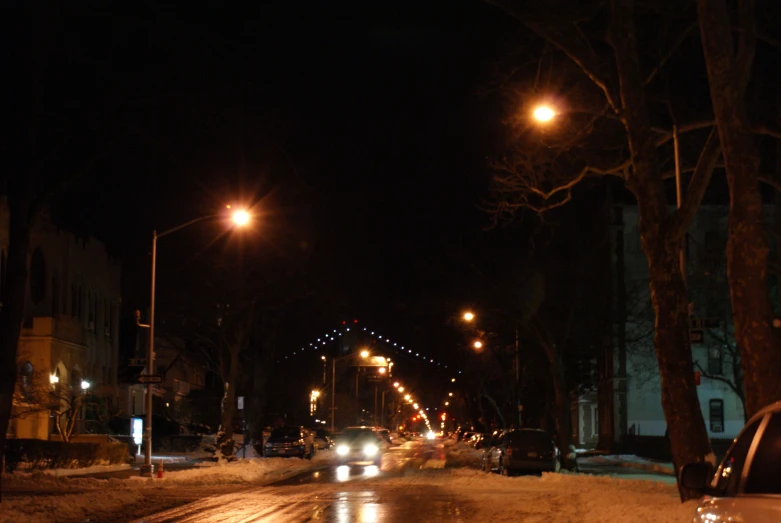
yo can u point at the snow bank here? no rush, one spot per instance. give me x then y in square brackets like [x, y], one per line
[241, 471]
[43, 498]
[632, 461]
[561, 497]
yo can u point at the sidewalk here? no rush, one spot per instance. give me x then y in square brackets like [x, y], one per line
[630, 461]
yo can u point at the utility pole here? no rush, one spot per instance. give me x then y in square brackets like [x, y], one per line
[333, 392]
[518, 406]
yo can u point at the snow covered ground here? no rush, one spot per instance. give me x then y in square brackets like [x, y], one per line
[38, 498]
[562, 498]
[489, 497]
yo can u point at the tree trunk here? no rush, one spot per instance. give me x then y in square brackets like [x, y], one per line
[688, 438]
[605, 367]
[12, 311]
[747, 244]
[262, 364]
[225, 443]
[562, 420]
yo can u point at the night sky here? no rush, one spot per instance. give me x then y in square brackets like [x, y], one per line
[361, 131]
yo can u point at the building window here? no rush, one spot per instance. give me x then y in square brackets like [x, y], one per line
[37, 276]
[26, 379]
[716, 415]
[715, 362]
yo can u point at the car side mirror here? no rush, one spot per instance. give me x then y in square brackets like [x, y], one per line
[696, 476]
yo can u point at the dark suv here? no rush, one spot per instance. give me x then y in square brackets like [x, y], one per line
[522, 449]
[290, 442]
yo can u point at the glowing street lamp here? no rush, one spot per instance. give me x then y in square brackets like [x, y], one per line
[382, 370]
[468, 316]
[478, 344]
[239, 218]
[364, 354]
[407, 397]
[85, 385]
[543, 113]
[396, 384]
[401, 389]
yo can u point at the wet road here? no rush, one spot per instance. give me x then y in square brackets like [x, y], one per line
[336, 495]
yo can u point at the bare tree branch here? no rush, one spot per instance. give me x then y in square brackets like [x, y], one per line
[677, 44]
[577, 49]
[747, 44]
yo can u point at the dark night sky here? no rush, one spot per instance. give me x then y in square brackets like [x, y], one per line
[373, 112]
[355, 128]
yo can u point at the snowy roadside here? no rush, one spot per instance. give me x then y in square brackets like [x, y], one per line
[39, 498]
[630, 461]
[556, 497]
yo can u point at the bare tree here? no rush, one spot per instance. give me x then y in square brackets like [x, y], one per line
[536, 185]
[729, 72]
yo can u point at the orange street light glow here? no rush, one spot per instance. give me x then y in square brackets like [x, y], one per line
[478, 344]
[240, 217]
[396, 384]
[364, 354]
[544, 113]
[469, 316]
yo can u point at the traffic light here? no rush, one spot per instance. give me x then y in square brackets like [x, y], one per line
[444, 416]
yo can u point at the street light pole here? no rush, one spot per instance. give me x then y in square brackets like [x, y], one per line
[333, 392]
[147, 469]
[240, 218]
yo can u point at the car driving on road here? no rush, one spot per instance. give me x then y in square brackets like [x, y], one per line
[360, 446]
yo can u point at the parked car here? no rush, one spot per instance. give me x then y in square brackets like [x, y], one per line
[747, 485]
[480, 440]
[384, 434]
[521, 450]
[290, 442]
[323, 439]
[360, 446]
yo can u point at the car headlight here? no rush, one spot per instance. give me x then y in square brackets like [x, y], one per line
[370, 450]
[342, 450]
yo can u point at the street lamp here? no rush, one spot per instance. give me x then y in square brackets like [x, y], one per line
[478, 344]
[468, 316]
[364, 354]
[544, 113]
[240, 218]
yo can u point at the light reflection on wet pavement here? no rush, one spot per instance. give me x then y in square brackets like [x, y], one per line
[334, 494]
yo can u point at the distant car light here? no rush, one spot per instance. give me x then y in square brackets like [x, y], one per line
[370, 450]
[342, 450]
[431, 435]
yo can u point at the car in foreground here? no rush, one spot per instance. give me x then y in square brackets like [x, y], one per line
[747, 484]
[360, 446]
[290, 442]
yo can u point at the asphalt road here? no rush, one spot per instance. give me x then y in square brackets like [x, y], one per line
[335, 494]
